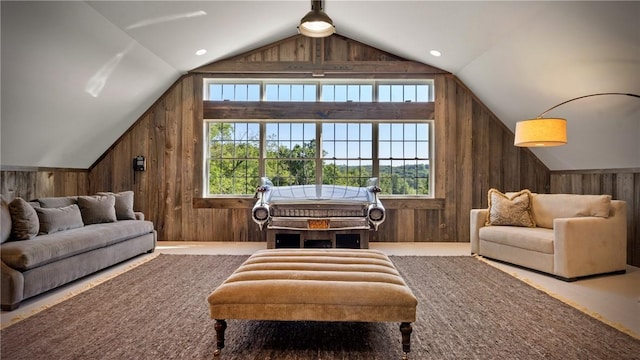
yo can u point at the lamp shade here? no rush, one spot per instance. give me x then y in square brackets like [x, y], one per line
[316, 23]
[541, 132]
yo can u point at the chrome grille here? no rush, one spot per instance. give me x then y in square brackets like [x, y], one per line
[318, 213]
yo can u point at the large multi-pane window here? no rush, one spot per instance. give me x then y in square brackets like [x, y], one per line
[294, 155]
[302, 152]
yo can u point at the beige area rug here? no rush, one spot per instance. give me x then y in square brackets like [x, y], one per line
[467, 310]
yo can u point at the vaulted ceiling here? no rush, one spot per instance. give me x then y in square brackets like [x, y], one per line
[75, 75]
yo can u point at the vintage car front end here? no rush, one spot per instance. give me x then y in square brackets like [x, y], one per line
[318, 207]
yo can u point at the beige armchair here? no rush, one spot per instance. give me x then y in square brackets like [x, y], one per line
[574, 236]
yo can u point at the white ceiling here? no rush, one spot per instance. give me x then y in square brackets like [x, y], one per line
[75, 75]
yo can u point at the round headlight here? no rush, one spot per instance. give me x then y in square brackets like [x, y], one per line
[261, 213]
[376, 214]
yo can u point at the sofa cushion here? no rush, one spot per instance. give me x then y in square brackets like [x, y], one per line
[57, 202]
[536, 239]
[24, 220]
[547, 207]
[58, 219]
[44, 249]
[514, 210]
[97, 209]
[124, 204]
[5, 221]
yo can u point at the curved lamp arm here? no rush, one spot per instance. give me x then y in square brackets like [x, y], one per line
[582, 97]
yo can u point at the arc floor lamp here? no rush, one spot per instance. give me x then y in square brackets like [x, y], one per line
[541, 132]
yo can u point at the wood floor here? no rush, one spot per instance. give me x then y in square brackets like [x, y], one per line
[614, 299]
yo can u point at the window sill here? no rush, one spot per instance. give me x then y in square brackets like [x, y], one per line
[247, 202]
[244, 202]
[412, 203]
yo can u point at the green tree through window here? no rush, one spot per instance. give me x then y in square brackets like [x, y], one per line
[291, 155]
[234, 154]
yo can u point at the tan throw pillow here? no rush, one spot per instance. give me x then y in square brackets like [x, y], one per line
[24, 220]
[97, 209]
[512, 210]
[124, 204]
[58, 219]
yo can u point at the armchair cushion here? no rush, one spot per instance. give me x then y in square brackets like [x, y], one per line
[530, 238]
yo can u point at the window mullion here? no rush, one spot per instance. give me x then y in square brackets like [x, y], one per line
[319, 159]
[262, 152]
[375, 168]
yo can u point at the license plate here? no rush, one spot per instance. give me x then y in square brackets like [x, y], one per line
[318, 224]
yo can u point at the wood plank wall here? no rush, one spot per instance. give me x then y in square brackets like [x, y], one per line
[36, 183]
[472, 149]
[473, 152]
[621, 184]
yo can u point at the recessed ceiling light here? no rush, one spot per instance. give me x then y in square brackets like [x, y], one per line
[435, 53]
[201, 52]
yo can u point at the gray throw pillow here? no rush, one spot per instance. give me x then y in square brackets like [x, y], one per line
[97, 209]
[57, 202]
[24, 220]
[124, 204]
[58, 219]
[5, 224]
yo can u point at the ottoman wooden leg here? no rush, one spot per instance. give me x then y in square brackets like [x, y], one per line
[405, 330]
[220, 327]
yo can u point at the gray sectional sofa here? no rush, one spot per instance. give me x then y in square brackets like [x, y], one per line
[49, 242]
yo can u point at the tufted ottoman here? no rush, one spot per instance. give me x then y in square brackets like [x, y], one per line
[315, 285]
